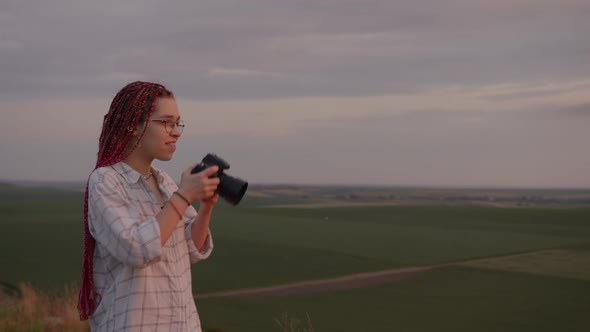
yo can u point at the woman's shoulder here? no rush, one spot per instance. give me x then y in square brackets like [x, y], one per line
[107, 174]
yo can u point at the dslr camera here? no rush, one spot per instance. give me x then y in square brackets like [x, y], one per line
[231, 189]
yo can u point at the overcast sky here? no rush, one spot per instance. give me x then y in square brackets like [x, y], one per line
[425, 92]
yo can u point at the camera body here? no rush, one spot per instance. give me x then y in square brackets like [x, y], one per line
[230, 188]
[211, 159]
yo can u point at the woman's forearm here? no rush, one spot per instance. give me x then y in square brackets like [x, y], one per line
[200, 229]
[169, 217]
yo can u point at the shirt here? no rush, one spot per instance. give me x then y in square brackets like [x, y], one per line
[142, 285]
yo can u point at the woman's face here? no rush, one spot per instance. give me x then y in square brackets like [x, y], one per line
[158, 141]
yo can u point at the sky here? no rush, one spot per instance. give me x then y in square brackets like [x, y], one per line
[464, 93]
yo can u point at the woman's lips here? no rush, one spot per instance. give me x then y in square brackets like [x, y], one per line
[171, 146]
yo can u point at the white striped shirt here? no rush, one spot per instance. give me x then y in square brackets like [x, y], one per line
[142, 285]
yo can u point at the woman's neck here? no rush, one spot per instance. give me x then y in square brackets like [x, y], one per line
[140, 165]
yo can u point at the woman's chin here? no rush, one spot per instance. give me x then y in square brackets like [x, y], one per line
[165, 157]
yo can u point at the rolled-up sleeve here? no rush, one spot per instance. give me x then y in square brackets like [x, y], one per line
[113, 224]
[190, 215]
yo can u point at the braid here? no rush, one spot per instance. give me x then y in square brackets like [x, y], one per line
[134, 103]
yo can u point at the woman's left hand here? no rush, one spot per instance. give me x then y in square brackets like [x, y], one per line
[209, 203]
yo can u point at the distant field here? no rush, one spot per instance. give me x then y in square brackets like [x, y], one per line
[339, 195]
[41, 231]
[450, 299]
[574, 264]
[259, 244]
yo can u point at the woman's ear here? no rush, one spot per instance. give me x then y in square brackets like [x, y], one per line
[138, 128]
[135, 139]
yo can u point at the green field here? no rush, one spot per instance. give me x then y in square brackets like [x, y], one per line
[450, 299]
[259, 245]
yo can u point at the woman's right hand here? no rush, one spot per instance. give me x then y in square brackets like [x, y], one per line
[198, 186]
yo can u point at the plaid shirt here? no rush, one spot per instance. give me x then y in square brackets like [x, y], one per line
[142, 285]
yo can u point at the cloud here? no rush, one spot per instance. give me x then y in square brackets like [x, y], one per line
[456, 92]
[449, 137]
[233, 73]
[223, 50]
[514, 92]
[576, 110]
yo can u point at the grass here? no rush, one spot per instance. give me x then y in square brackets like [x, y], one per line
[38, 311]
[573, 264]
[265, 246]
[41, 244]
[32, 310]
[238, 263]
[288, 323]
[449, 299]
[301, 244]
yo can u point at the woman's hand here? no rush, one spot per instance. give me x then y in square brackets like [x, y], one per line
[208, 204]
[199, 187]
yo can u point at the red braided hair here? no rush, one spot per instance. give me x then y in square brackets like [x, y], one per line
[132, 105]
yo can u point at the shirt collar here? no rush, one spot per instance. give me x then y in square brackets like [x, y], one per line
[133, 176]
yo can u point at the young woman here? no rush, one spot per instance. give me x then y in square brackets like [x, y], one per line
[140, 231]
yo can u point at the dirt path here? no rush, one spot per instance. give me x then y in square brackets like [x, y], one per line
[357, 280]
[338, 283]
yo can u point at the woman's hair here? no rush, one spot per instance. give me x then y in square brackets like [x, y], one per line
[133, 105]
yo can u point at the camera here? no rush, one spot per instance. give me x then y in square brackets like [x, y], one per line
[231, 189]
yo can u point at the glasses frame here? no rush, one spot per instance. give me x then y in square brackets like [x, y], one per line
[179, 125]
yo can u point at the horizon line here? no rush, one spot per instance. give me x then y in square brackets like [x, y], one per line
[53, 183]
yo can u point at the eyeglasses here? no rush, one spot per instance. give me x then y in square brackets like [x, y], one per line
[170, 125]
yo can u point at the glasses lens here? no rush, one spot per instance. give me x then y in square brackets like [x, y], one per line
[170, 126]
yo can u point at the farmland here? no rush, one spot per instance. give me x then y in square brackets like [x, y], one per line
[501, 264]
